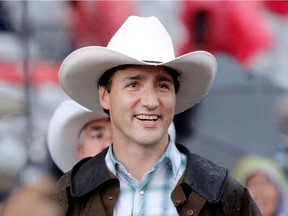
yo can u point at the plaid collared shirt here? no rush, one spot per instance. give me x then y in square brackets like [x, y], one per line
[151, 196]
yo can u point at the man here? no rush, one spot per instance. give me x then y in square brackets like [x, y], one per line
[141, 86]
[75, 132]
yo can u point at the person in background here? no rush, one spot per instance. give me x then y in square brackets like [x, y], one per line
[141, 85]
[75, 132]
[79, 133]
[266, 183]
[32, 200]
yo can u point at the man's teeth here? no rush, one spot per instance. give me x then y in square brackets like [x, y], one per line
[147, 117]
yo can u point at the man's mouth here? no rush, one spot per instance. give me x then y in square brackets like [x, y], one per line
[147, 117]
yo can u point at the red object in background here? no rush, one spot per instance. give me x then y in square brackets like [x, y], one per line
[278, 7]
[95, 22]
[10, 72]
[41, 73]
[45, 73]
[233, 27]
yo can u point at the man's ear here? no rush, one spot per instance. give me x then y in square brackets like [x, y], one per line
[104, 97]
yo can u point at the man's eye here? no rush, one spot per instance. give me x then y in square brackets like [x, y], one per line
[163, 86]
[132, 85]
[97, 136]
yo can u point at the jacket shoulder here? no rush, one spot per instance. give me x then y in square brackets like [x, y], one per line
[204, 176]
[214, 184]
[236, 199]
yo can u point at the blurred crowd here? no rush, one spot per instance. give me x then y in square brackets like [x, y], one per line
[247, 37]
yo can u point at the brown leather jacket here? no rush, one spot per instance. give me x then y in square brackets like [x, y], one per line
[205, 189]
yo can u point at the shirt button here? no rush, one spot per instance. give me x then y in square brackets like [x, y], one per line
[141, 192]
[178, 201]
[110, 197]
[190, 212]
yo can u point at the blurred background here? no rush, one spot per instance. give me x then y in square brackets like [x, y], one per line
[246, 111]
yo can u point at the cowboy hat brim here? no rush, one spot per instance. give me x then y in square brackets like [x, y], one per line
[80, 71]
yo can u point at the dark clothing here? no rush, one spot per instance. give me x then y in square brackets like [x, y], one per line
[205, 189]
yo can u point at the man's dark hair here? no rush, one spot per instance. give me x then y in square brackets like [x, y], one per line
[106, 79]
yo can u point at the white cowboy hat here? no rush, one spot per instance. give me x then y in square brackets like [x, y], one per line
[139, 41]
[63, 130]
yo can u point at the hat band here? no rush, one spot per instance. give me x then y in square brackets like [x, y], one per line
[155, 62]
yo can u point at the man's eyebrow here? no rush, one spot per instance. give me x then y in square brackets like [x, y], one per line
[134, 77]
[164, 78]
[97, 127]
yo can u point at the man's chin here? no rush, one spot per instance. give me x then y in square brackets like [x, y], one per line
[149, 140]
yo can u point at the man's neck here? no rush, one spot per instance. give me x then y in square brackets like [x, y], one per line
[138, 159]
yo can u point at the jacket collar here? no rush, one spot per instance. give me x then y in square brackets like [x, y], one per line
[89, 173]
[201, 175]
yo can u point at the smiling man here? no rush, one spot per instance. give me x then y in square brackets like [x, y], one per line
[141, 102]
[141, 86]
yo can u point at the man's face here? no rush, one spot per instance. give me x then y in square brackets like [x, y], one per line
[96, 137]
[141, 104]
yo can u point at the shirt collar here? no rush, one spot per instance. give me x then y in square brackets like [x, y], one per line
[174, 156]
[171, 154]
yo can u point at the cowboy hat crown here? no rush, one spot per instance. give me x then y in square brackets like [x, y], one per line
[129, 40]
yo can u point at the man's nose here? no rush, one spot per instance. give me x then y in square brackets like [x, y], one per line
[149, 98]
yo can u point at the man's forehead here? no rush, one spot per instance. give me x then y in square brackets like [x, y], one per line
[148, 67]
[138, 72]
[97, 123]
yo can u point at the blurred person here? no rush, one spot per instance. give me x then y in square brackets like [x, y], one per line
[203, 20]
[32, 200]
[266, 183]
[141, 86]
[86, 18]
